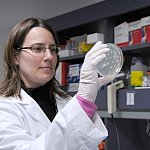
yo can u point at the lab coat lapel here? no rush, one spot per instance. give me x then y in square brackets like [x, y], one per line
[34, 109]
[36, 112]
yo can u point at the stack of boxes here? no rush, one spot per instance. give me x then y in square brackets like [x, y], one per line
[133, 33]
[68, 75]
[80, 44]
[75, 46]
[73, 77]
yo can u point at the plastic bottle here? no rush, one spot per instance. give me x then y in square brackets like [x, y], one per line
[148, 78]
[125, 69]
[148, 74]
[138, 70]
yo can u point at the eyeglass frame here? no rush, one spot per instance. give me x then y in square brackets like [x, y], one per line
[57, 49]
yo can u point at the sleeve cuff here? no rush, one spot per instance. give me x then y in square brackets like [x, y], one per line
[88, 107]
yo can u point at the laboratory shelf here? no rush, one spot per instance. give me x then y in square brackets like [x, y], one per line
[139, 48]
[144, 48]
[74, 57]
[133, 105]
[126, 114]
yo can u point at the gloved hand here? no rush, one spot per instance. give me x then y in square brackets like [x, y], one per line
[89, 81]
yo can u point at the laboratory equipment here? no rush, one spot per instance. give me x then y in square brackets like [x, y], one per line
[111, 95]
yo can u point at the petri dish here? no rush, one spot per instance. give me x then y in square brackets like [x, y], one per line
[112, 63]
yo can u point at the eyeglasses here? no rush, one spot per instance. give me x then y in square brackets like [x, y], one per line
[41, 49]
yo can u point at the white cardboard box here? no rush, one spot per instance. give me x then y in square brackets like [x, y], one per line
[74, 73]
[95, 37]
[145, 29]
[121, 34]
[73, 87]
[65, 53]
[135, 34]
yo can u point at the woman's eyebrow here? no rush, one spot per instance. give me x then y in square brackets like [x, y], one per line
[43, 44]
[37, 44]
[52, 44]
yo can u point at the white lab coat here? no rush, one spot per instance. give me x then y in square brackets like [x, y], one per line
[24, 126]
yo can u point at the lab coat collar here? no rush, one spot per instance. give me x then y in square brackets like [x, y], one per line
[32, 108]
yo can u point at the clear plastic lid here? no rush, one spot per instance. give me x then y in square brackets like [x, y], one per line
[112, 63]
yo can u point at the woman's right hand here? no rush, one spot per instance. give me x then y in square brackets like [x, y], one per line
[89, 81]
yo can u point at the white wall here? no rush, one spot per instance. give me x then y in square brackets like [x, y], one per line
[12, 11]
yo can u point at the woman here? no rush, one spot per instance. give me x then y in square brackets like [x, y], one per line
[30, 60]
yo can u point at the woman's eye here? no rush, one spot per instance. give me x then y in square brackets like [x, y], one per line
[53, 49]
[38, 49]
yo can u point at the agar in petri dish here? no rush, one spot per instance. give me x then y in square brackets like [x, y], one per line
[112, 63]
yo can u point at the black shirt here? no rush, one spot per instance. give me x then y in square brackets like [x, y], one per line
[42, 96]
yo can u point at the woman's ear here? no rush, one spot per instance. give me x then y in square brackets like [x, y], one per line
[16, 58]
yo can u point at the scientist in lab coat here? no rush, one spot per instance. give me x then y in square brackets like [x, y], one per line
[30, 61]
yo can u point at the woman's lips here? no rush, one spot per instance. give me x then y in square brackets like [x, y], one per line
[46, 68]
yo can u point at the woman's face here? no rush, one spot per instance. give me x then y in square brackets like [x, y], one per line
[36, 69]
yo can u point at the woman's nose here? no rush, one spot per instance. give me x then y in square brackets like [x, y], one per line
[47, 53]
